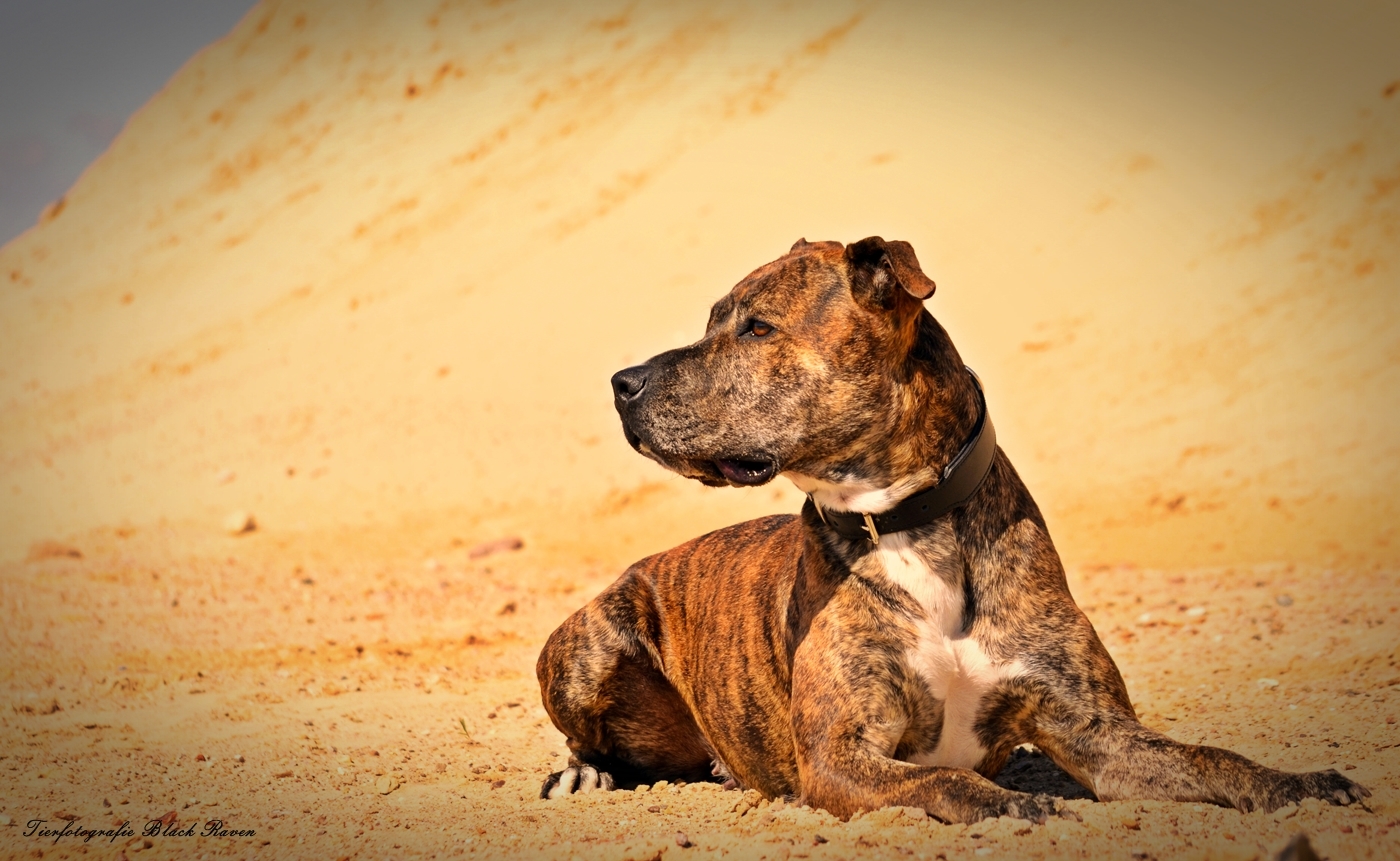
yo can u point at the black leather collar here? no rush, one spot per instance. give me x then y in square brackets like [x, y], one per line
[961, 478]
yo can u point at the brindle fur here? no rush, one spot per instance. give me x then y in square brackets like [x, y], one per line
[779, 651]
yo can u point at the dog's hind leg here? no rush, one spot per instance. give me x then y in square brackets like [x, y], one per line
[624, 722]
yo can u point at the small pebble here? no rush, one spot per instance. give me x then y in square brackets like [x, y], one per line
[239, 522]
[41, 550]
[498, 546]
[1284, 600]
[1267, 683]
[682, 841]
[1145, 617]
[385, 785]
[1196, 611]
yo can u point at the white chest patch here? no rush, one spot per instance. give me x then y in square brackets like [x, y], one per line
[951, 663]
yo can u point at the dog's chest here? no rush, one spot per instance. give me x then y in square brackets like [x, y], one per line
[957, 671]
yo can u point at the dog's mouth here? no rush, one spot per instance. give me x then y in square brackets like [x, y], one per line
[749, 471]
[746, 472]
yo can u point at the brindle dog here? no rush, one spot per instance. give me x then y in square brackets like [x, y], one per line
[853, 673]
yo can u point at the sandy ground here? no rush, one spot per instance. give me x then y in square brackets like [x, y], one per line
[275, 681]
[362, 272]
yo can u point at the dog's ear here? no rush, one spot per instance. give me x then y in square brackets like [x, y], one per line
[799, 245]
[880, 270]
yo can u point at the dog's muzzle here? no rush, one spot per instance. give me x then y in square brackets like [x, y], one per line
[745, 470]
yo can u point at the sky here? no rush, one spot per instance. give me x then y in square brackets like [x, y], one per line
[72, 72]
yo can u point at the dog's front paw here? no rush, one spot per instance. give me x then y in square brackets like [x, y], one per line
[1036, 808]
[575, 779]
[1329, 785]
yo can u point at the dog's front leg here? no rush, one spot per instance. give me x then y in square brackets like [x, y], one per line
[1120, 758]
[846, 777]
[851, 705]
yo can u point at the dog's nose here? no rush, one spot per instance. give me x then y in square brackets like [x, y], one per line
[629, 382]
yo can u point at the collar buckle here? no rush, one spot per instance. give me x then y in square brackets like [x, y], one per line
[870, 529]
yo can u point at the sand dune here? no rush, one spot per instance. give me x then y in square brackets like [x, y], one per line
[399, 254]
[364, 270]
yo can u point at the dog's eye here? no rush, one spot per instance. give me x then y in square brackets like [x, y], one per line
[756, 329]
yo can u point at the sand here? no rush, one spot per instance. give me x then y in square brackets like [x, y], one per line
[338, 308]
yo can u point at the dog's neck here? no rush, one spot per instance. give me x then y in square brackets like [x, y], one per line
[935, 409]
[857, 495]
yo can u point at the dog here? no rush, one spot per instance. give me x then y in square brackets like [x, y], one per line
[893, 643]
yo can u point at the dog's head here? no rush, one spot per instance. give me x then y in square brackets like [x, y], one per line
[807, 367]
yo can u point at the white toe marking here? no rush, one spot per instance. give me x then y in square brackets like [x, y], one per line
[567, 778]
